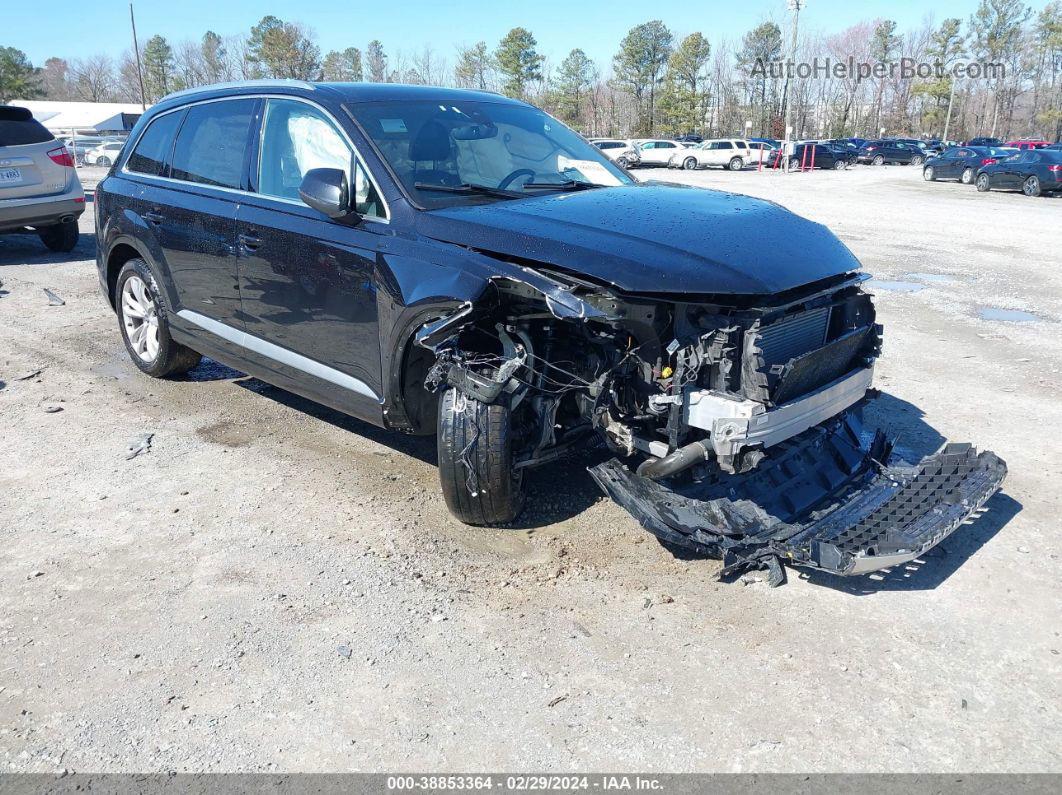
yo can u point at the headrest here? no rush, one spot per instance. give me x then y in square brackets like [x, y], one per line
[431, 143]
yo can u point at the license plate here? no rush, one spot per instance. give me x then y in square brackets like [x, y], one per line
[9, 175]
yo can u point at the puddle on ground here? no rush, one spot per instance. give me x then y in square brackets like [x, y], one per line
[1007, 315]
[209, 370]
[115, 368]
[895, 286]
[932, 278]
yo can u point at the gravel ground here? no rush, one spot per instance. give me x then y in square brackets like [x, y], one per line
[272, 586]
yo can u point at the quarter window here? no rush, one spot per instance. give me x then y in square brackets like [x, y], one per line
[296, 138]
[153, 149]
[212, 143]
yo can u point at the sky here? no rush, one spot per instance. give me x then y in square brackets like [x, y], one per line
[596, 26]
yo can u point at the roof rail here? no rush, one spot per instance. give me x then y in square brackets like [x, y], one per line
[267, 83]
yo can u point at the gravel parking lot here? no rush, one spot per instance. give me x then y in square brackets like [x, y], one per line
[273, 586]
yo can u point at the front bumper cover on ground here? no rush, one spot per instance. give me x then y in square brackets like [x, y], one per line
[825, 500]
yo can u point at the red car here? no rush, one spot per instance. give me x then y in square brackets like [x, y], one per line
[1029, 143]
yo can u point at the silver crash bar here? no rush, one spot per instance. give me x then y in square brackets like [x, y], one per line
[734, 423]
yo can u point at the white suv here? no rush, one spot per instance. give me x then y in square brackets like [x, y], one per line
[623, 153]
[39, 188]
[658, 151]
[729, 153]
[104, 154]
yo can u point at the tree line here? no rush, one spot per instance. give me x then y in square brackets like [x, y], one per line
[656, 83]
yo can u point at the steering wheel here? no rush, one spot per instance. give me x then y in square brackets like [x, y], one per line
[520, 172]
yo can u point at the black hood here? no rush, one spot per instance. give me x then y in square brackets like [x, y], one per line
[653, 238]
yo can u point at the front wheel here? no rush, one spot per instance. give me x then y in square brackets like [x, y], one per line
[838, 165]
[690, 163]
[476, 471]
[967, 176]
[1031, 186]
[143, 318]
[879, 160]
[927, 174]
[794, 164]
[916, 160]
[622, 162]
[983, 183]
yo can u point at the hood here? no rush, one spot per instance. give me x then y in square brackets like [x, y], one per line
[653, 238]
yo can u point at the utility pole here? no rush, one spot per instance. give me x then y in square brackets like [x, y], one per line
[794, 6]
[136, 50]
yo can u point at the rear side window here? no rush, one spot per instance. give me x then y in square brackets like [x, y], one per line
[212, 143]
[18, 127]
[726, 145]
[153, 149]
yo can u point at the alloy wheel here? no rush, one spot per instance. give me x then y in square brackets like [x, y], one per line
[140, 317]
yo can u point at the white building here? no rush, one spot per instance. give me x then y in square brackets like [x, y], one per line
[83, 117]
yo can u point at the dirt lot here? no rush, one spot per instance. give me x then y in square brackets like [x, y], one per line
[273, 586]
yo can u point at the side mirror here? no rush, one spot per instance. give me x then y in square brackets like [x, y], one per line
[326, 190]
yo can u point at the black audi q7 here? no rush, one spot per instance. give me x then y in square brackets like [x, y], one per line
[460, 264]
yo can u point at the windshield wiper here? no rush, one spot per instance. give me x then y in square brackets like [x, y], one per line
[571, 184]
[467, 187]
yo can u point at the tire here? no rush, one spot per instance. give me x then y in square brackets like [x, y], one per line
[917, 160]
[735, 164]
[478, 481]
[138, 290]
[622, 162]
[879, 160]
[967, 176]
[794, 164]
[1031, 186]
[103, 162]
[690, 163]
[839, 165]
[983, 183]
[60, 237]
[928, 175]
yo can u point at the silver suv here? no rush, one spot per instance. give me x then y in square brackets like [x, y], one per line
[39, 188]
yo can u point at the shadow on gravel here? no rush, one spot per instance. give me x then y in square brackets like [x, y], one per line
[25, 248]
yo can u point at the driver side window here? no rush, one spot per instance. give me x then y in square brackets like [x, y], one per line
[296, 138]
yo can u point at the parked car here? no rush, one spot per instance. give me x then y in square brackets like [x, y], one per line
[1034, 172]
[982, 141]
[879, 153]
[728, 153]
[623, 153]
[79, 145]
[39, 188]
[1028, 143]
[961, 163]
[104, 154]
[820, 155]
[768, 150]
[392, 252]
[689, 138]
[657, 151]
[772, 141]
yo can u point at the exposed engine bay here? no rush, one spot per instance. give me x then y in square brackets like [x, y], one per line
[737, 417]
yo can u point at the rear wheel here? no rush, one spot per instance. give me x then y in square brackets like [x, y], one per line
[794, 164]
[927, 174]
[622, 162]
[103, 161]
[736, 164]
[879, 160]
[143, 318]
[690, 163]
[983, 183]
[1031, 186]
[840, 164]
[967, 176]
[917, 160]
[60, 237]
[476, 471]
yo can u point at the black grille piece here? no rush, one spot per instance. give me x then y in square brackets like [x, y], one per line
[819, 367]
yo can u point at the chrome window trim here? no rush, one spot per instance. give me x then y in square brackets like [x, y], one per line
[384, 219]
[279, 354]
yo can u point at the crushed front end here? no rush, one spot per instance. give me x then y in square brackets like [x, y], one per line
[736, 420]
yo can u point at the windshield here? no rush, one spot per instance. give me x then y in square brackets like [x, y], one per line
[487, 151]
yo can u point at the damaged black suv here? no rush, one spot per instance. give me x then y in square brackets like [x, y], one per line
[456, 263]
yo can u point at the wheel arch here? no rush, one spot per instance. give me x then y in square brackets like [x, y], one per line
[120, 253]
